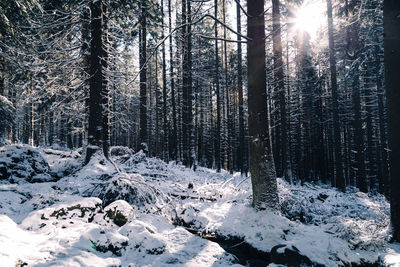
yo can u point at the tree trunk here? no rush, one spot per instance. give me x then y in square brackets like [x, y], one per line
[279, 86]
[263, 176]
[105, 94]
[227, 95]
[188, 137]
[85, 67]
[164, 81]
[353, 49]
[340, 182]
[173, 145]
[384, 175]
[143, 79]
[391, 22]
[241, 150]
[95, 130]
[217, 140]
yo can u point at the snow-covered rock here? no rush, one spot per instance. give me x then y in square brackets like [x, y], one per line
[23, 163]
[120, 212]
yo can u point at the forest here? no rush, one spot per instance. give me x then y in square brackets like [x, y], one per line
[199, 133]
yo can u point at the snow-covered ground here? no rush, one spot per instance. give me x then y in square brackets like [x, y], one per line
[140, 211]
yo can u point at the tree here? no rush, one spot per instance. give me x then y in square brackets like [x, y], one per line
[262, 169]
[173, 143]
[340, 182]
[352, 52]
[143, 77]
[242, 159]
[217, 140]
[392, 64]
[164, 79]
[187, 127]
[97, 92]
[279, 85]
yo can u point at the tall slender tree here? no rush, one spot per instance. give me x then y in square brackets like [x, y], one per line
[279, 85]
[143, 76]
[164, 82]
[242, 150]
[217, 136]
[174, 137]
[391, 13]
[340, 182]
[96, 137]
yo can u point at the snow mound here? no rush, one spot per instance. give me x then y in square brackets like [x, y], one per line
[139, 161]
[23, 163]
[83, 210]
[120, 212]
[62, 162]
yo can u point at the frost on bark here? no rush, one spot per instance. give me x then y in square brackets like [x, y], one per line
[263, 175]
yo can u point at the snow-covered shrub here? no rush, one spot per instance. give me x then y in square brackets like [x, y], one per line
[121, 154]
[120, 151]
[358, 218]
[22, 162]
[133, 189]
[137, 158]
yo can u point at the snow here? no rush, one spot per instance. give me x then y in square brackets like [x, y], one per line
[73, 222]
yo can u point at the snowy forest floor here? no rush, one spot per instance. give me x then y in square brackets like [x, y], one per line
[139, 211]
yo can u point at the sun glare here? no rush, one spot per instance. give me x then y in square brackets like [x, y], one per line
[310, 17]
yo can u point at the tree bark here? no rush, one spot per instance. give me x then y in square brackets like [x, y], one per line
[263, 176]
[279, 86]
[340, 182]
[105, 94]
[95, 130]
[173, 145]
[353, 51]
[391, 22]
[164, 80]
[217, 140]
[143, 135]
[241, 152]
